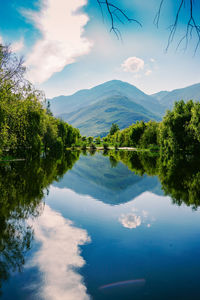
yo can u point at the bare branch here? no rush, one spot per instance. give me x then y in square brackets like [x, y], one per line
[116, 13]
[191, 27]
[157, 16]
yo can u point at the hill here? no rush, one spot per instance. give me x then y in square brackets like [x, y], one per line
[94, 110]
[167, 99]
[96, 119]
[108, 89]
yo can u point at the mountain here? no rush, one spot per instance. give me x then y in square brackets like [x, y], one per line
[94, 110]
[167, 99]
[96, 119]
[109, 185]
[108, 89]
[160, 95]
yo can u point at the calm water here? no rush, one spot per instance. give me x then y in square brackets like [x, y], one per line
[98, 231]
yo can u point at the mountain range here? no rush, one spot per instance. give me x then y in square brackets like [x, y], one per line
[94, 110]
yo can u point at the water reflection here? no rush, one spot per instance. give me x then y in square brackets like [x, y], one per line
[135, 218]
[179, 174]
[120, 180]
[130, 220]
[113, 184]
[23, 186]
[59, 257]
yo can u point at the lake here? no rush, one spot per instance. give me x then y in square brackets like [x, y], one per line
[89, 226]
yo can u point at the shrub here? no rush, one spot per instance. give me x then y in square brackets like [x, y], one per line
[105, 146]
[84, 146]
[92, 146]
[73, 147]
[116, 146]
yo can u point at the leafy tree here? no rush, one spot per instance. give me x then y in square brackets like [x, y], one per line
[135, 133]
[114, 128]
[90, 139]
[98, 140]
[25, 124]
[150, 135]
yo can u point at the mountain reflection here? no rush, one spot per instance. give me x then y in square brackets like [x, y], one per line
[23, 186]
[179, 174]
[59, 257]
[105, 178]
[114, 178]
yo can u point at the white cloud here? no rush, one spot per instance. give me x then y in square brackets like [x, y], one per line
[130, 220]
[148, 72]
[133, 64]
[18, 45]
[152, 60]
[62, 28]
[59, 257]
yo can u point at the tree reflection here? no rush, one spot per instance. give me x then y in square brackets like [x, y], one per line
[23, 185]
[179, 174]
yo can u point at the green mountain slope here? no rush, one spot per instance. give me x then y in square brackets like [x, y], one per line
[96, 119]
[83, 98]
[167, 99]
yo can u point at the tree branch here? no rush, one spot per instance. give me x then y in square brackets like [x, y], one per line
[116, 13]
[191, 26]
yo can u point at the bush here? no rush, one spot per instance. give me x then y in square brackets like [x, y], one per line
[92, 146]
[84, 146]
[116, 146]
[98, 140]
[73, 147]
[105, 146]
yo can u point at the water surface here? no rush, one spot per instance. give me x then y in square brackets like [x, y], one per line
[96, 231]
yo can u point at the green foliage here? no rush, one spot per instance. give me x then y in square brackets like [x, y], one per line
[116, 145]
[90, 139]
[26, 127]
[92, 146]
[179, 129]
[105, 146]
[23, 185]
[150, 135]
[84, 146]
[179, 175]
[84, 138]
[114, 128]
[98, 140]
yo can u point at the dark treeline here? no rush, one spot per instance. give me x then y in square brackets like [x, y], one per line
[23, 186]
[26, 125]
[178, 132]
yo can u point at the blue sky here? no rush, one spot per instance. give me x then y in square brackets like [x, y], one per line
[67, 46]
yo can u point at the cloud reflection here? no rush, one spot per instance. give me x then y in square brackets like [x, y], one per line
[130, 220]
[134, 219]
[59, 256]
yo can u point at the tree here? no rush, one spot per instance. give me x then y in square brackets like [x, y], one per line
[90, 139]
[135, 133]
[150, 135]
[176, 133]
[25, 121]
[114, 128]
